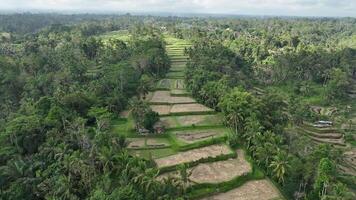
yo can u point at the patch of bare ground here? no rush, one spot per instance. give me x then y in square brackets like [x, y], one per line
[150, 143]
[221, 171]
[191, 120]
[199, 120]
[216, 172]
[156, 143]
[161, 109]
[189, 108]
[252, 190]
[136, 143]
[165, 97]
[193, 155]
[195, 136]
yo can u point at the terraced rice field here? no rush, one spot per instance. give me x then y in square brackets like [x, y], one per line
[190, 108]
[252, 190]
[216, 172]
[192, 120]
[191, 136]
[177, 92]
[193, 126]
[179, 84]
[161, 109]
[327, 135]
[148, 143]
[152, 153]
[348, 165]
[164, 97]
[193, 155]
[164, 84]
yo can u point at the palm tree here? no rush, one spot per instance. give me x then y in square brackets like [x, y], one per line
[184, 173]
[148, 182]
[64, 188]
[340, 192]
[253, 131]
[145, 84]
[280, 165]
[106, 156]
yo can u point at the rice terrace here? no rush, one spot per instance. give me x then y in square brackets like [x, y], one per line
[195, 137]
[178, 100]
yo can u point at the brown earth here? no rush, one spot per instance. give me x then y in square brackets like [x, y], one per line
[252, 190]
[193, 155]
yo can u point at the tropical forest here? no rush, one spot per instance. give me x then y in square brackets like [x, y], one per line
[164, 107]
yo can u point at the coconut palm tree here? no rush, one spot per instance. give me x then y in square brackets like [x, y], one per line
[280, 165]
[184, 174]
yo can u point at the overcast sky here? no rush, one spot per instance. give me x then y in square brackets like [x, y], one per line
[251, 7]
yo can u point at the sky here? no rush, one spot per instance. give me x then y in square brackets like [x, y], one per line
[333, 8]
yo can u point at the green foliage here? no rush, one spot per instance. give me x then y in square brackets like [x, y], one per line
[59, 92]
[143, 114]
[325, 171]
[337, 85]
[237, 106]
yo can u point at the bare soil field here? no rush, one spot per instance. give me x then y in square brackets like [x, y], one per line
[150, 143]
[169, 122]
[189, 108]
[136, 143]
[190, 120]
[165, 97]
[157, 142]
[161, 109]
[201, 120]
[252, 190]
[216, 172]
[195, 136]
[193, 155]
[221, 171]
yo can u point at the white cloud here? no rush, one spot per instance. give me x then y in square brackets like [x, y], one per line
[261, 7]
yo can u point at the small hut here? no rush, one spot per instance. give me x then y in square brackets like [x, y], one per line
[323, 124]
[159, 128]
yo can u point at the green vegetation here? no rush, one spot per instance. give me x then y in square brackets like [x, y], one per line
[76, 94]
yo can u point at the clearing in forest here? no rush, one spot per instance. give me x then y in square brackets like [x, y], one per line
[252, 190]
[212, 151]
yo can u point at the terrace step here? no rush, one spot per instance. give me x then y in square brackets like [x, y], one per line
[322, 135]
[199, 154]
[189, 121]
[332, 141]
[216, 172]
[181, 109]
[164, 98]
[337, 142]
[256, 189]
